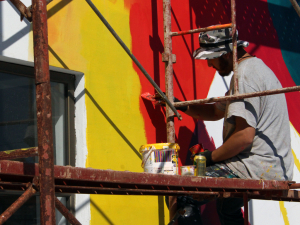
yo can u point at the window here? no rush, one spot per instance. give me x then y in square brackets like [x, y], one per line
[18, 125]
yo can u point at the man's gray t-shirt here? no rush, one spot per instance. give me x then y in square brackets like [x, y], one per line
[269, 157]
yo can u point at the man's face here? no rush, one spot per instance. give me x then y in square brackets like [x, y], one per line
[222, 64]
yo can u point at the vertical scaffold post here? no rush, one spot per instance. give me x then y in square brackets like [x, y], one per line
[168, 70]
[234, 48]
[44, 116]
[169, 87]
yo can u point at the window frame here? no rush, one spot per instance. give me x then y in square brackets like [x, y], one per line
[67, 77]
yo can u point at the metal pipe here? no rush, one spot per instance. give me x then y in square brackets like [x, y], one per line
[44, 112]
[47, 1]
[295, 186]
[236, 97]
[19, 153]
[245, 198]
[16, 122]
[101, 17]
[66, 213]
[17, 204]
[296, 6]
[19, 186]
[12, 171]
[25, 12]
[111, 190]
[216, 27]
[234, 49]
[283, 195]
[280, 195]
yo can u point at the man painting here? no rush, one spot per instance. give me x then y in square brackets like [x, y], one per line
[256, 132]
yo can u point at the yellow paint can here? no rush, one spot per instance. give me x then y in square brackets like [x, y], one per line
[160, 158]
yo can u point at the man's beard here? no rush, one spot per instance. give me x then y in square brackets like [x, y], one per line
[224, 67]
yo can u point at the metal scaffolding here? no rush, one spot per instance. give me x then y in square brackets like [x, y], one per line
[47, 179]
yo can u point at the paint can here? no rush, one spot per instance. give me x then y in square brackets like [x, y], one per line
[200, 165]
[187, 170]
[160, 158]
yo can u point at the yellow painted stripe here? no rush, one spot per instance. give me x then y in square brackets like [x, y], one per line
[294, 129]
[296, 160]
[281, 204]
[284, 213]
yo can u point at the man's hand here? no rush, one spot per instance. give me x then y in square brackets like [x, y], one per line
[160, 101]
[208, 112]
[207, 154]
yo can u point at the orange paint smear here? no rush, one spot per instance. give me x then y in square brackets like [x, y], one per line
[129, 3]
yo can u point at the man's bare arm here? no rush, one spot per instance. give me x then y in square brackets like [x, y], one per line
[205, 112]
[241, 138]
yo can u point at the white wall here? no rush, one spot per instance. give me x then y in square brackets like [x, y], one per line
[82, 202]
[14, 38]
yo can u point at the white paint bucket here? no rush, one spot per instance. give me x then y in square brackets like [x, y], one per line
[160, 158]
[187, 170]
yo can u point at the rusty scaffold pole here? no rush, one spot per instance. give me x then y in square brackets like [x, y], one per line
[234, 49]
[66, 213]
[169, 58]
[19, 153]
[198, 30]
[239, 96]
[296, 6]
[44, 112]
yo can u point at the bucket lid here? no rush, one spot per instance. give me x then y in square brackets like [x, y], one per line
[160, 146]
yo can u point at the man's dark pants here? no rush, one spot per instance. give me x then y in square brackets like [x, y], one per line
[229, 209]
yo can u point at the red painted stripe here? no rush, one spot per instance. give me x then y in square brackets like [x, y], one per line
[146, 24]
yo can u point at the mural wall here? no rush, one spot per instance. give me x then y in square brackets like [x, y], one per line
[117, 121]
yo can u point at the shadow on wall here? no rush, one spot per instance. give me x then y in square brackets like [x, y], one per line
[157, 117]
[57, 57]
[112, 124]
[155, 43]
[10, 41]
[200, 135]
[102, 213]
[109, 221]
[21, 33]
[160, 212]
[190, 53]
